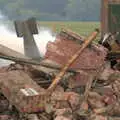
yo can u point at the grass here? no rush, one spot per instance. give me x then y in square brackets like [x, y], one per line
[83, 28]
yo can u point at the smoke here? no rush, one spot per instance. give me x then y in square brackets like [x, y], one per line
[45, 35]
[9, 39]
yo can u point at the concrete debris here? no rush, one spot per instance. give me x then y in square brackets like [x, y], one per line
[88, 90]
[95, 100]
[62, 118]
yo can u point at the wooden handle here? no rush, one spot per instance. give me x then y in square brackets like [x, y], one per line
[73, 58]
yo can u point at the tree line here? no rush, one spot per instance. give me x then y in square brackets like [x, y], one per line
[49, 10]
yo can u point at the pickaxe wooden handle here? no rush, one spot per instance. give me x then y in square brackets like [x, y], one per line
[70, 62]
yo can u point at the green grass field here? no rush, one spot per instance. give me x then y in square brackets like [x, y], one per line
[83, 28]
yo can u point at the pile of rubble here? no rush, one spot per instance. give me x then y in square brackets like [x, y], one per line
[89, 90]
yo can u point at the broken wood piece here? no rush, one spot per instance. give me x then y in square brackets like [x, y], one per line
[73, 58]
[9, 52]
[33, 62]
[19, 60]
[72, 35]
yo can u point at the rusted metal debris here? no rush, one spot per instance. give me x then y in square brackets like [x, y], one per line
[89, 90]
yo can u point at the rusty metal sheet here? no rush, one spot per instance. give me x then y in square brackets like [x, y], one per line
[22, 91]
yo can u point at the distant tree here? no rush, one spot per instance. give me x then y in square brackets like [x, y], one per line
[51, 9]
[83, 9]
[47, 6]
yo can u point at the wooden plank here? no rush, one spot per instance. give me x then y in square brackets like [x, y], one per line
[9, 52]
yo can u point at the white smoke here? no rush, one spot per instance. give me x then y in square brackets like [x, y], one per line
[45, 35]
[9, 39]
